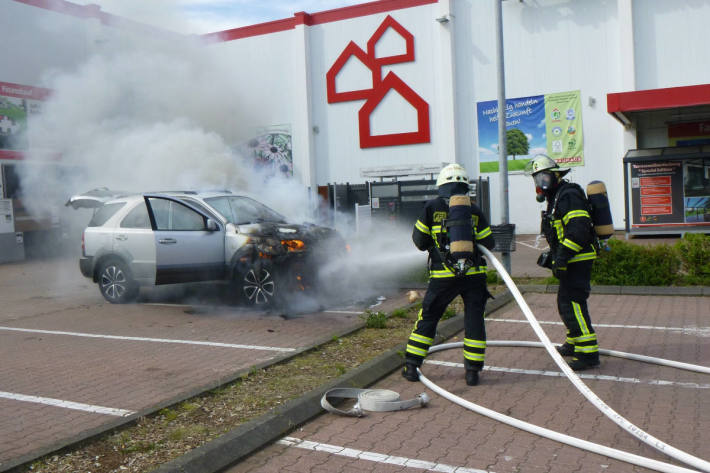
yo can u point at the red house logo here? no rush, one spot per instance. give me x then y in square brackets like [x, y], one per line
[374, 95]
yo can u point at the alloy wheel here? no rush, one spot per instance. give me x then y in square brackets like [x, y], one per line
[259, 286]
[113, 282]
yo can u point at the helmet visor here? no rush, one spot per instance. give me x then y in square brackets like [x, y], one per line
[543, 180]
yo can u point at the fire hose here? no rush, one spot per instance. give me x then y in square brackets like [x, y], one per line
[586, 392]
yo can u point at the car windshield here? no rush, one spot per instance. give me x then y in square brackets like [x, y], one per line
[242, 210]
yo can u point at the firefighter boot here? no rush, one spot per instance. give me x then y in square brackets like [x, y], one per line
[581, 363]
[409, 372]
[566, 349]
[472, 369]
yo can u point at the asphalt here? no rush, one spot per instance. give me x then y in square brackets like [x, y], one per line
[255, 435]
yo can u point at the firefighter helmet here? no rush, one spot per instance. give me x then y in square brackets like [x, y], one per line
[542, 162]
[452, 173]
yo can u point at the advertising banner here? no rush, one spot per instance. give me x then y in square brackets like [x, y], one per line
[550, 124]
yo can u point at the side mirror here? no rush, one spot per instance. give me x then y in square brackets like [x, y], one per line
[212, 225]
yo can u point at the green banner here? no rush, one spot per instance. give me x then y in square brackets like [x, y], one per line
[563, 126]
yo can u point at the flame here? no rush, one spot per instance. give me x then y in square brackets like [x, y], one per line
[294, 245]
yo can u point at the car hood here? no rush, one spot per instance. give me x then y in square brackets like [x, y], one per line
[94, 198]
[288, 231]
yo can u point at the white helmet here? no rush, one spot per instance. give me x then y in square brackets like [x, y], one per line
[542, 162]
[452, 173]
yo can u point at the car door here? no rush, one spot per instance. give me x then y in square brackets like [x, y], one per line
[134, 240]
[186, 249]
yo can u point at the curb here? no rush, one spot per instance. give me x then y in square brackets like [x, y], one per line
[253, 435]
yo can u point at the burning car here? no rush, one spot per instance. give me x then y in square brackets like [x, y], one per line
[147, 239]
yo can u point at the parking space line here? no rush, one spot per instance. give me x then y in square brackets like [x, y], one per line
[342, 312]
[375, 457]
[701, 331]
[559, 374]
[147, 339]
[77, 406]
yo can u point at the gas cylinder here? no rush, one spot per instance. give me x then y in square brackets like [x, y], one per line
[600, 209]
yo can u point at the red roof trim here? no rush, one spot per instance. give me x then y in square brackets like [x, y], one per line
[655, 99]
[303, 18]
[12, 155]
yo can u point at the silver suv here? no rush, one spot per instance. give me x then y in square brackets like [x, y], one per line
[136, 240]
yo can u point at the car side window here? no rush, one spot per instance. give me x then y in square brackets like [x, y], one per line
[104, 213]
[137, 218]
[170, 215]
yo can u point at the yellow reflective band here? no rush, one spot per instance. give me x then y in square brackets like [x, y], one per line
[583, 257]
[558, 228]
[580, 318]
[436, 229]
[571, 245]
[483, 233]
[592, 337]
[422, 228]
[570, 340]
[416, 351]
[586, 349]
[419, 317]
[474, 343]
[421, 339]
[474, 356]
[445, 273]
[574, 213]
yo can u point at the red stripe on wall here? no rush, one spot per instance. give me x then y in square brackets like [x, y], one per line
[303, 18]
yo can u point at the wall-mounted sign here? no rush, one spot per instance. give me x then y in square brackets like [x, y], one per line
[550, 124]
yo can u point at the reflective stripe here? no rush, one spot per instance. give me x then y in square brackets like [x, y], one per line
[474, 356]
[445, 273]
[421, 339]
[416, 351]
[467, 342]
[483, 233]
[574, 213]
[583, 257]
[422, 228]
[580, 318]
[592, 337]
[558, 229]
[586, 348]
[571, 245]
[436, 229]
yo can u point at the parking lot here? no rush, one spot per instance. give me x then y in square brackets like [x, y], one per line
[524, 383]
[73, 364]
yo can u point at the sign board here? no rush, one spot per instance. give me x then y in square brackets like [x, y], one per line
[667, 190]
[7, 219]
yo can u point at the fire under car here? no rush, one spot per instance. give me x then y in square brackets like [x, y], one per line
[138, 240]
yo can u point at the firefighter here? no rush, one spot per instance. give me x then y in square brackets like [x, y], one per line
[567, 226]
[449, 278]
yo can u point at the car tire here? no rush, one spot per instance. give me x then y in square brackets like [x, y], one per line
[258, 286]
[116, 282]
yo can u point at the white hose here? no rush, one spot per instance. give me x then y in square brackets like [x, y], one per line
[583, 388]
[551, 434]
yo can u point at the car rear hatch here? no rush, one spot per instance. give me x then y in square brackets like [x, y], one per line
[93, 199]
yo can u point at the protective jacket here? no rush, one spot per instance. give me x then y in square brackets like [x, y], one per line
[430, 234]
[567, 226]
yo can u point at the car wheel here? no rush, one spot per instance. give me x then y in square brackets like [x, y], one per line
[259, 286]
[116, 284]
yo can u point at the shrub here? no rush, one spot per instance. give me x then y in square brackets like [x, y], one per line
[629, 264]
[694, 250]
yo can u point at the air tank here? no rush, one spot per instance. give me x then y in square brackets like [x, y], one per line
[600, 210]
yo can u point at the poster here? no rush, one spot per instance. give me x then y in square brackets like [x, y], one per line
[18, 104]
[670, 193]
[271, 150]
[549, 124]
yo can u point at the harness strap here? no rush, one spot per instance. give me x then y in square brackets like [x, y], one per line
[375, 400]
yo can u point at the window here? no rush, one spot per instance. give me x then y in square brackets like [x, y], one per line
[170, 215]
[241, 210]
[104, 213]
[137, 218]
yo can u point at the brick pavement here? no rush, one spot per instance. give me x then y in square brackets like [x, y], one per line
[129, 374]
[451, 436]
